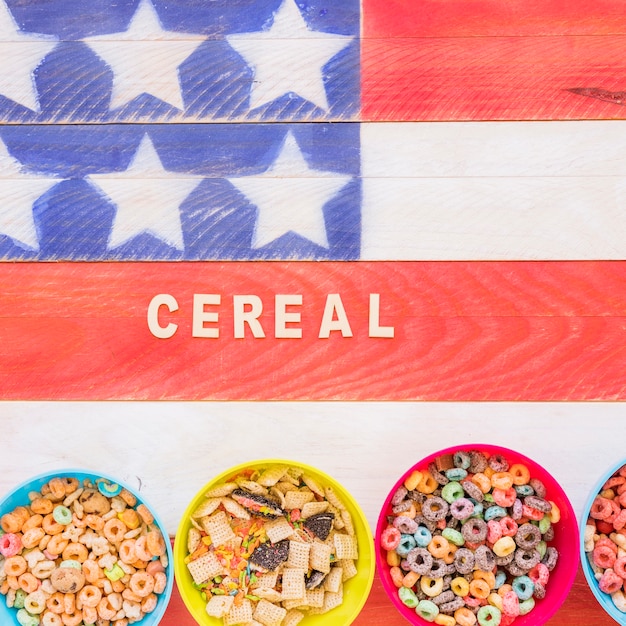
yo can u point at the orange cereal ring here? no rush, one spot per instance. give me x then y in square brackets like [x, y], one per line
[465, 617]
[155, 543]
[439, 547]
[479, 588]
[72, 620]
[51, 619]
[502, 480]
[70, 484]
[149, 603]
[69, 603]
[15, 565]
[145, 514]
[32, 522]
[127, 552]
[51, 526]
[55, 603]
[114, 530]
[89, 596]
[32, 537]
[141, 548]
[28, 582]
[397, 576]
[75, 552]
[57, 544]
[90, 615]
[488, 577]
[94, 522]
[482, 482]
[428, 484]
[141, 583]
[105, 610]
[127, 594]
[11, 523]
[520, 474]
[57, 488]
[41, 506]
[92, 571]
[160, 582]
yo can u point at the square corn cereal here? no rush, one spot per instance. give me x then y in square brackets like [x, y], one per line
[205, 568]
[349, 568]
[269, 614]
[331, 601]
[320, 557]
[293, 618]
[300, 603]
[311, 508]
[278, 529]
[218, 606]
[267, 580]
[347, 522]
[297, 499]
[334, 580]
[241, 614]
[293, 586]
[315, 597]
[345, 547]
[271, 595]
[218, 528]
[299, 555]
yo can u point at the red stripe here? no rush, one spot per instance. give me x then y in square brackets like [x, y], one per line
[463, 331]
[482, 60]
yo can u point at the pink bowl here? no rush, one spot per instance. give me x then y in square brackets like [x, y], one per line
[566, 539]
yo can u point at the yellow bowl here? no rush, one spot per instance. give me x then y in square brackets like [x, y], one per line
[355, 590]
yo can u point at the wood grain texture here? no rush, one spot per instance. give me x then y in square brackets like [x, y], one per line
[468, 331]
[580, 609]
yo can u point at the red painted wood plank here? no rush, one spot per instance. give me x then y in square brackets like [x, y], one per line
[481, 18]
[580, 609]
[493, 78]
[79, 331]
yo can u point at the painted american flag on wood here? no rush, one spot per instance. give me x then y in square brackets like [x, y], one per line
[462, 160]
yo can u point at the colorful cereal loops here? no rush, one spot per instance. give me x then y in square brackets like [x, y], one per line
[77, 553]
[605, 538]
[476, 544]
[271, 545]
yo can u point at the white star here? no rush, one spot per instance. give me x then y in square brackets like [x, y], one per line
[18, 192]
[288, 58]
[20, 55]
[145, 58]
[147, 198]
[290, 197]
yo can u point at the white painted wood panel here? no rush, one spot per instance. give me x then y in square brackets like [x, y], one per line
[170, 450]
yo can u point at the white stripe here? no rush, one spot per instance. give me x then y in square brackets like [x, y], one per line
[494, 190]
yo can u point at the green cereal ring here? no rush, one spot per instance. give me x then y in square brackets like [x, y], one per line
[20, 596]
[453, 536]
[526, 606]
[62, 515]
[26, 619]
[427, 610]
[489, 615]
[545, 524]
[452, 491]
[408, 597]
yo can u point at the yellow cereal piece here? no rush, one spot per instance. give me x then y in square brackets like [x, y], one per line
[393, 558]
[504, 546]
[459, 586]
[445, 620]
[555, 513]
[495, 600]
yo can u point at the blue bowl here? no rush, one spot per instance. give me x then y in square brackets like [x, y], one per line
[19, 497]
[604, 599]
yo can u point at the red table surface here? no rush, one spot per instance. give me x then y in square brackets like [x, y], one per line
[580, 609]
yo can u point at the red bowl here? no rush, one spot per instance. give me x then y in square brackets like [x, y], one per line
[566, 539]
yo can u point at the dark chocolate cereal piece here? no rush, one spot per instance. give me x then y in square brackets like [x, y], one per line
[440, 477]
[257, 504]
[498, 463]
[314, 579]
[270, 556]
[435, 509]
[478, 462]
[320, 524]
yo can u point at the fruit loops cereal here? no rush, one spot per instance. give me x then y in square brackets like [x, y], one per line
[269, 546]
[605, 538]
[81, 554]
[467, 540]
